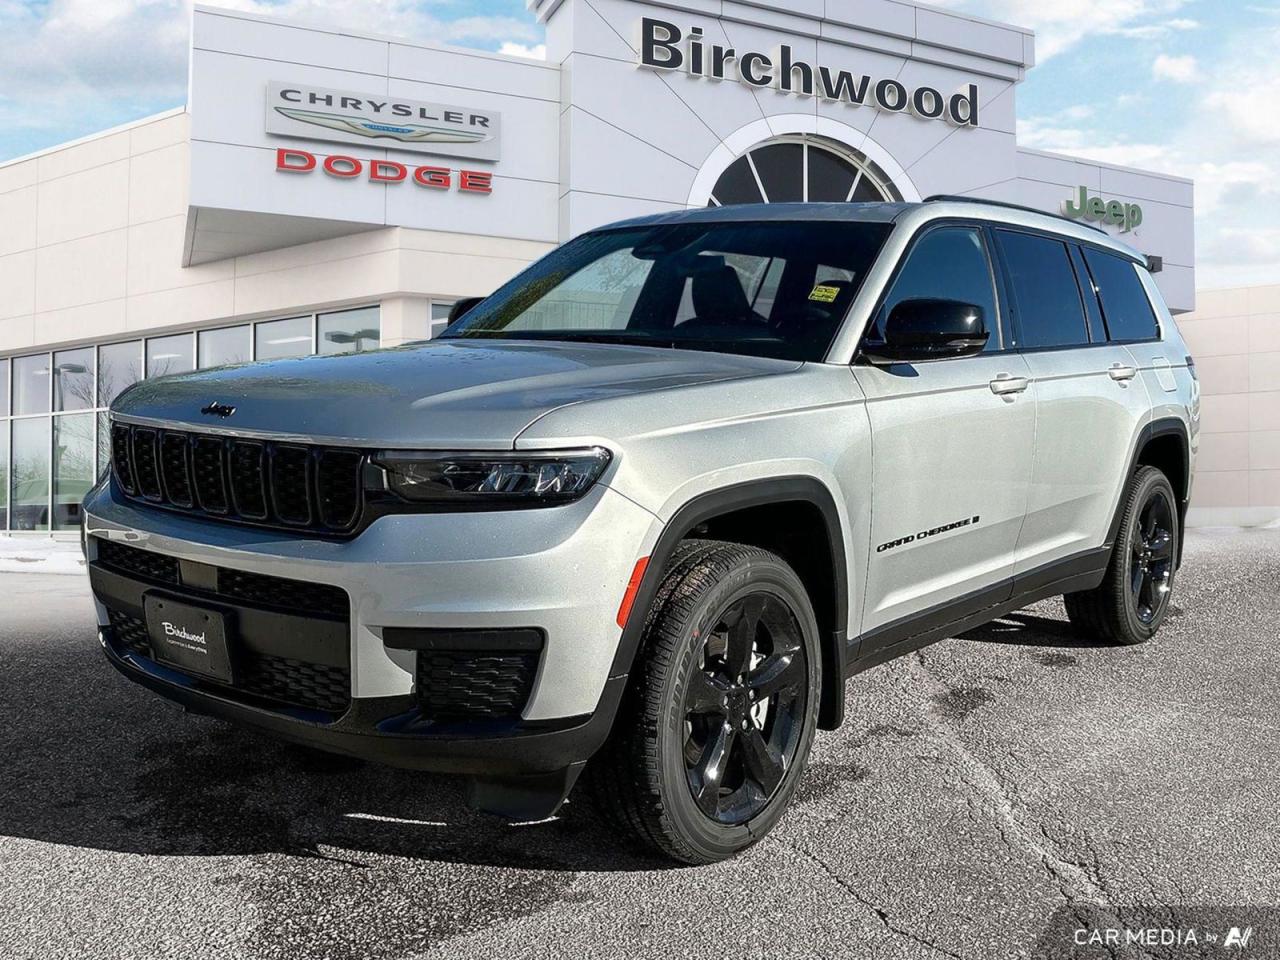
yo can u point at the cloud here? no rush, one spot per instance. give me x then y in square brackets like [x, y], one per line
[1236, 169]
[1176, 69]
[538, 52]
[71, 67]
[1062, 24]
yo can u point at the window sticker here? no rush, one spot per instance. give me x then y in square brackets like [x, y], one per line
[824, 294]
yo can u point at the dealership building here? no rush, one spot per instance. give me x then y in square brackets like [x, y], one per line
[326, 191]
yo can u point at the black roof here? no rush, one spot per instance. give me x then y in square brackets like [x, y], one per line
[757, 212]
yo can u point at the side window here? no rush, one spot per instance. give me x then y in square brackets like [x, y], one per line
[1050, 312]
[1124, 302]
[948, 263]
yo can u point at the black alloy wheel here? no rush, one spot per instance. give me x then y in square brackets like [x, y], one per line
[721, 705]
[744, 708]
[1151, 557]
[1133, 599]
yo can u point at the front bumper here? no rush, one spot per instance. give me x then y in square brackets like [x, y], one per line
[560, 571]
[521, 749]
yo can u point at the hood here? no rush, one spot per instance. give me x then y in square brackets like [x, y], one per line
[467, 394]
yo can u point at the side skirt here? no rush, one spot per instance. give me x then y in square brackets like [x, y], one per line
[1084, 571]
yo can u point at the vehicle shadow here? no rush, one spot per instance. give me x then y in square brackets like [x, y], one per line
[92, 761]
[1032, 630]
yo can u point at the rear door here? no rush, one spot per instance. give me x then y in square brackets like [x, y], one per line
[1090, 403]
[951, 451]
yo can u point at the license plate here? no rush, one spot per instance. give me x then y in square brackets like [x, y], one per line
[192, 639]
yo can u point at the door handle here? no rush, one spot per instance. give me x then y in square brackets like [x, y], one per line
[1005, 384]
[1119, 371]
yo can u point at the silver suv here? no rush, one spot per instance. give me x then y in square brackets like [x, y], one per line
[650, 505]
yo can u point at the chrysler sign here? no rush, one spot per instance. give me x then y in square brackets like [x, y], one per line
[379, 120]
[664, 46]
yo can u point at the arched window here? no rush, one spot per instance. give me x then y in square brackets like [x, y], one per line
[802, 168]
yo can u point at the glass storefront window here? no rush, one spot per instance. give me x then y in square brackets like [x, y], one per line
[4, 474]
[167, 355]
[73, 379]
[351, 331]
[73, 467]
[119, 366]
[29, 484]
[104, 441]
[219, 348]
[282, 338]
[55, 438]
[439, 317]
[31, 384]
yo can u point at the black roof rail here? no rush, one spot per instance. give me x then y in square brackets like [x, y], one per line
[952, 198]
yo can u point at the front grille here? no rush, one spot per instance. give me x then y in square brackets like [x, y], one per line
[295, 596]
[300, 487]
[258, 675]
[470, 685]
[315, 686]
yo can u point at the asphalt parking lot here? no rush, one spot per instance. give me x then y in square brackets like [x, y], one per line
[977, 793]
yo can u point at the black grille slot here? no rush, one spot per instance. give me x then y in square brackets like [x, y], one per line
[122, 458]
[316, 489]
[470, 685]
[144, 564]
[146, 463]
[130, 633]
[296, 682]
[175, 468]
[293, 595]
[210, 479]
[338, 484]
[290, 484]
[249, 479]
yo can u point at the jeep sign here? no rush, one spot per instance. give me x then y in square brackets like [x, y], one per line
[1126, 216]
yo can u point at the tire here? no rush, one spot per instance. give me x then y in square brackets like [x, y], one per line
[1133, 599]
[686, 725]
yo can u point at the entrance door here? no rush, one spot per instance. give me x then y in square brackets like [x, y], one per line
[951, 452]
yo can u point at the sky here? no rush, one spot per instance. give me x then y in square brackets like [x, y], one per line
[1187, 87]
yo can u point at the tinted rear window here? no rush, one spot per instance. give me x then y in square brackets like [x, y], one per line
[1050, 312]
[1124, 302]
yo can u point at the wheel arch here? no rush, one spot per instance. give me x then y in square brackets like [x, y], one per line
[758, 512]
[1165, 444]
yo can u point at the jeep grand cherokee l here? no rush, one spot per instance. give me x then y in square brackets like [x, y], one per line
[652, 503]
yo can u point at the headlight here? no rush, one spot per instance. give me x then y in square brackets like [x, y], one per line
[514, 478]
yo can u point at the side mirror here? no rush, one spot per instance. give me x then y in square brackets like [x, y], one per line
[922, 330]
[462, 307]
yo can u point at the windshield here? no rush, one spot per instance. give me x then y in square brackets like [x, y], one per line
[765, 289]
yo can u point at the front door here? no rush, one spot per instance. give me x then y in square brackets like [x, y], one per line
[951, 453]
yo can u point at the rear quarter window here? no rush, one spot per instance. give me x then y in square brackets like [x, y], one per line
[1125, 306]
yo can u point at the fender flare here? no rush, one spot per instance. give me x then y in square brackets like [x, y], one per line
[1165, 426]
[740, 496]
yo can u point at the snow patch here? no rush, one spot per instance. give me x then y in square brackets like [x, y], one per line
[40, 555]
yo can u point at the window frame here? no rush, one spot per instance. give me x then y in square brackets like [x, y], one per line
[1002, 329]
[1102, 310]
[1067, 243]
